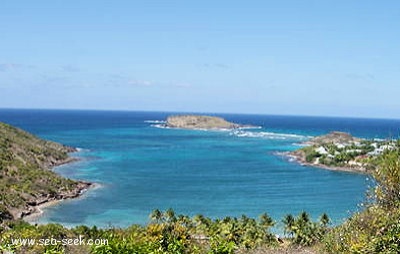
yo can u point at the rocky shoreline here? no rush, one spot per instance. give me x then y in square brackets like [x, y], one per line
[33, 207]
[201, 122]
[36, 210]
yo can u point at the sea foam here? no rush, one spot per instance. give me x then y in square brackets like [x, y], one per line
[268, 135]
[241, 132]
[154, 121]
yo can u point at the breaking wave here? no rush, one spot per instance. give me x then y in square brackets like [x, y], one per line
[243, 132]
[154, 121]
[268, 135]
[160, 125]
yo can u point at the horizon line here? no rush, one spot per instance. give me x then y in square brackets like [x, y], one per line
[200, 112]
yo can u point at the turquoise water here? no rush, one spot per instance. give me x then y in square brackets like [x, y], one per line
[216, 173]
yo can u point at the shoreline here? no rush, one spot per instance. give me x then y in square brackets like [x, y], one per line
[34, 208]
[38, 210]
[164, 126]
[299, 160]
[202, 122]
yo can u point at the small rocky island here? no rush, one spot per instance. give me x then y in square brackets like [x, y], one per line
[200, 122]
[26, 178]
[341, 151]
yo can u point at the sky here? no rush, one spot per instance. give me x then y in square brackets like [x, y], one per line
[323, 58]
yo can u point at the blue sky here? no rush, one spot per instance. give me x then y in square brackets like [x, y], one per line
[332, 58]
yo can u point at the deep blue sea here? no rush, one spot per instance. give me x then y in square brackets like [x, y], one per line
[141, 167]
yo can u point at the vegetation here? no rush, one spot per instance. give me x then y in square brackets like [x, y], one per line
[199, 122]
[171, 233]
[334, 150]
[387, 176]
[376, 229]
[25, 178]
[303, 231]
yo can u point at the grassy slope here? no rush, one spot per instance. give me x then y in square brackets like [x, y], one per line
[25, 177]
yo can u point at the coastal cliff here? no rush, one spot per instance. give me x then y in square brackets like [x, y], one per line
[343, 152]
[199, 122]
[26, 179]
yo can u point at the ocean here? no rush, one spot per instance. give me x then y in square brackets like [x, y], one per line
[141, 167]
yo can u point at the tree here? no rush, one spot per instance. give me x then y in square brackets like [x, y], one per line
[387, 176]
[288, 222]
[266, 222]
[156, 216]
[170, 215]
[324, 219]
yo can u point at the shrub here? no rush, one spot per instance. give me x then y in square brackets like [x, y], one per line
[387, 177]
[377, 228]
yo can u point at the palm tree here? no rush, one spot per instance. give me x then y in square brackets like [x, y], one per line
[304, 217]
[266, 221]
[185, 221]
[170, 215]
[288, 222]
[324, 219]
[156, 216]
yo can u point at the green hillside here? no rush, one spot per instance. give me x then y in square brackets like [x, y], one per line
[25, 176]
